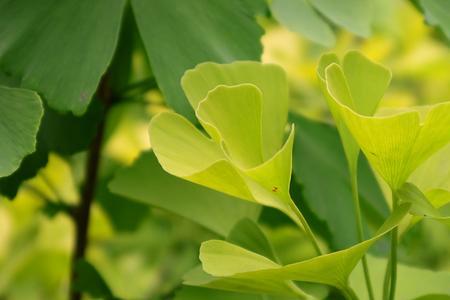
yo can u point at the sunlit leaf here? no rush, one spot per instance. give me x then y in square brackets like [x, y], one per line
[238, 265]
[432, 205]
[20, 115]
[319, 160]
[360, 85]
[394, 145]
[232, 160]
[269, 79]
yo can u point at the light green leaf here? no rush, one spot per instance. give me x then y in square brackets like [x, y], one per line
[269, 79]
[353, 15]
[412, 282]
[273, 286]
[420, 206]
[394, 145]
[20, 115]
[319, 161]
[178, 39]
[299, 16]
[145, 181]
[358, 84]
[231, 262]
[432, 205]
[185, 152]
[231, 161]
[439, 166]
[230, 113]
[63, 57]
[437, 13]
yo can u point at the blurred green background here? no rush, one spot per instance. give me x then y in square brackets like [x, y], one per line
[142, 251]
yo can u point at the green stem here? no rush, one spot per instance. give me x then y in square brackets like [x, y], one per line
[305, 226]
[393, 256]
[355, 194]
[387, 280]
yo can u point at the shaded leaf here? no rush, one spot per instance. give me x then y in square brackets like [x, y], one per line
[88, 280]
[353, 15]
[20, 115]
[64, 134]
[206, 37]
[46, 55]
[437, 13]
[145, 181]
[301, 17]
[412, 282]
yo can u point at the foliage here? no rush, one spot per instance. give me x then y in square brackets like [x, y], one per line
[215, 149]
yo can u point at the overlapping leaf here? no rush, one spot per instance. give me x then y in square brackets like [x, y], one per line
[229, 265]
[360, 86]
[319, 161]
[394, 145]
[20, 115]
[310, 18]
[238, 111]
[59, 48]
[195, 32]
[437, 13]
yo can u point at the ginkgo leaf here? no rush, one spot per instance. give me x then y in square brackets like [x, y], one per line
[59, 48]
[394, 145]
[430, 205]
[437, 14]
[354, 15]
[184, 151]
[234, 115]
[300, 16]
[360, 85]
[230, 113]
[227, 261]
[177, 35]
[439, 166]
[269, 79]
[146, 182]
[311, 18]
[20, 115]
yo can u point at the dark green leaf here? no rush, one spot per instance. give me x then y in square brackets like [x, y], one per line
[147, 182]
[64, 134]
[89, 280]
[437, 13]
[180, 34]
[59, 48]
[20, 115]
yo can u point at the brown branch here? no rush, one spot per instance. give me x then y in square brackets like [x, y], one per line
[82, 211]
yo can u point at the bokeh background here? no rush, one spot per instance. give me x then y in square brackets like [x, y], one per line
[142, 251]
